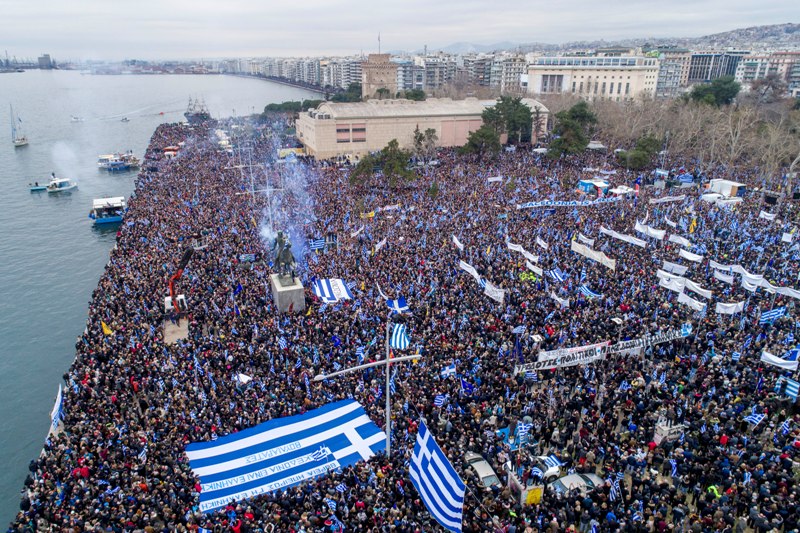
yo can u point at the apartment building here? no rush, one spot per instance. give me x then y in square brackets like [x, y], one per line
[616, 77]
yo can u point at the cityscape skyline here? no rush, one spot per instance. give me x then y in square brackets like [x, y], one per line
[184, 30]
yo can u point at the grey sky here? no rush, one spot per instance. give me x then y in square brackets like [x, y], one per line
[157, 29]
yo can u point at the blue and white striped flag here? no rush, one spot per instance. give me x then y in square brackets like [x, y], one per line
[625, 386]
[437, 482]
[57, 414]
[439, 400]
[449, 370]
[735, 356]
[283, 343]
[519, 330]
[143, 454]
[674, 465]
[774, 314]
[279, 453]
[398, 306]
[556, 274]
[537, 472]
[586, 291]
[316, 244]
[341, 487]
[785, 427]
[360, 354]
[399, 339]
[552, 461]
[747, 342]
[755, 419]
[332, 290]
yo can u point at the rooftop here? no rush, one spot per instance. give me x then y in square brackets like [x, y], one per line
[410, 108]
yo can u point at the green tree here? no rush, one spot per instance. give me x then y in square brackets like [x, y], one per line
[391, 163]
[634, 159]
[721, 91]
[483, 141]
[649, 144]
[492, 118]
[382, 92]
[433, 190]
[509, 115]
[414, 94]
[352, 94]
[572, 130]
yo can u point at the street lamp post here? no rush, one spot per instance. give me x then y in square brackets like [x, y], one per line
[387, 362]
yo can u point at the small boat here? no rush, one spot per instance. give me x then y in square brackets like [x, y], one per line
[107, 210]
[17, 137]
[61, 185]
[35, 187]
[74, 119]
[125, 119]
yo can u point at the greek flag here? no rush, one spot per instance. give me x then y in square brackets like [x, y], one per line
[735, 356]
[755, 419]
[282, 343]
[399, 339]
[557, 275]
[439, 400]
[58, 409]
[398, 306]
[615, 489]
[143, 454]
[785, 427]
[437, 482]
[746, 477]
[332, 290]
[747, 342]
[449, 370]
[588, 292]
[331, 504]
[769, 316]
[674, 464]
[282, 453]
[523, 429]
[341, 487]
[552, 462]
[360, 354]
[792, 387]
[519, 330]
[316, 244]
[625, 386]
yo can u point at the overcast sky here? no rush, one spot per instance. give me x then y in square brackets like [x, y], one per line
[159, 29]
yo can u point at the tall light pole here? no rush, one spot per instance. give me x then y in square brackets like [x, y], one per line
[387, 362]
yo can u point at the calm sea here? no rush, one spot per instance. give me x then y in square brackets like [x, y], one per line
[51, 257]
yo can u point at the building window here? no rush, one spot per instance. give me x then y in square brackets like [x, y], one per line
[627, 89]
[573, 86]
[342, 140]
[581, 87]
[603, 91]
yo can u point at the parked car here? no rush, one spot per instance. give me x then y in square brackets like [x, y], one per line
[551, 473]
[584, 483]
[482, 469]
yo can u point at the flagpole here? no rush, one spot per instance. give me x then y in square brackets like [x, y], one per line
[388, 394]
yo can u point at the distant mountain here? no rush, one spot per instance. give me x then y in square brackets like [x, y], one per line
[757, 37]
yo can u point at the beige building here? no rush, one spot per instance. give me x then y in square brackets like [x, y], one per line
[378, 72]
[616, 78]
[355, 129]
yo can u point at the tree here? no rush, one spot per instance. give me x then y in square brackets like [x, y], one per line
[382, 92]
[649, 144]
[509, 115]
[491, 117]
[572, 130]
[633, 159]
[391, 163]
[352, 94]
[483, 141]
[768, 89]
[414, 94]
[719, 92]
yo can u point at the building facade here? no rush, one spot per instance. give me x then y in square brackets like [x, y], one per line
[673, 72]
[616, 78]
[355, 129]
[378, 74]
[708, 66]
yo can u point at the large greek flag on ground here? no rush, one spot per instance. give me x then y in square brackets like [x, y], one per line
[332, 290]
[283, 452]
[437, 482]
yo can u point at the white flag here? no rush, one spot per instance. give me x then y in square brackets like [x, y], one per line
[458, 243]
[541, 243]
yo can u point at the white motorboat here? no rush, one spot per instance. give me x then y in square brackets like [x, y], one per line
[61, 185]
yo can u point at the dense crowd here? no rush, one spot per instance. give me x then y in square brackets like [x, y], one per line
[133, 402]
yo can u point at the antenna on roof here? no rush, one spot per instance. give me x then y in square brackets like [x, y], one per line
[379, 42]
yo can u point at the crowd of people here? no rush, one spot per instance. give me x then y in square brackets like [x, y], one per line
[134, 401]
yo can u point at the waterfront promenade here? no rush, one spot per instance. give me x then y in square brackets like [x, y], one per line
[133, 403]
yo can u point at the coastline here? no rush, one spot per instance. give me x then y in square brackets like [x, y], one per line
[280, 81]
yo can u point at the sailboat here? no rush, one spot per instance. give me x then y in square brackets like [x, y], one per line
[17, 137]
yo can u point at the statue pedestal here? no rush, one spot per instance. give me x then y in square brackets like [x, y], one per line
[286, 293]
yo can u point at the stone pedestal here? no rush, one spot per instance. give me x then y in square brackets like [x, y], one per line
[287, 293]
